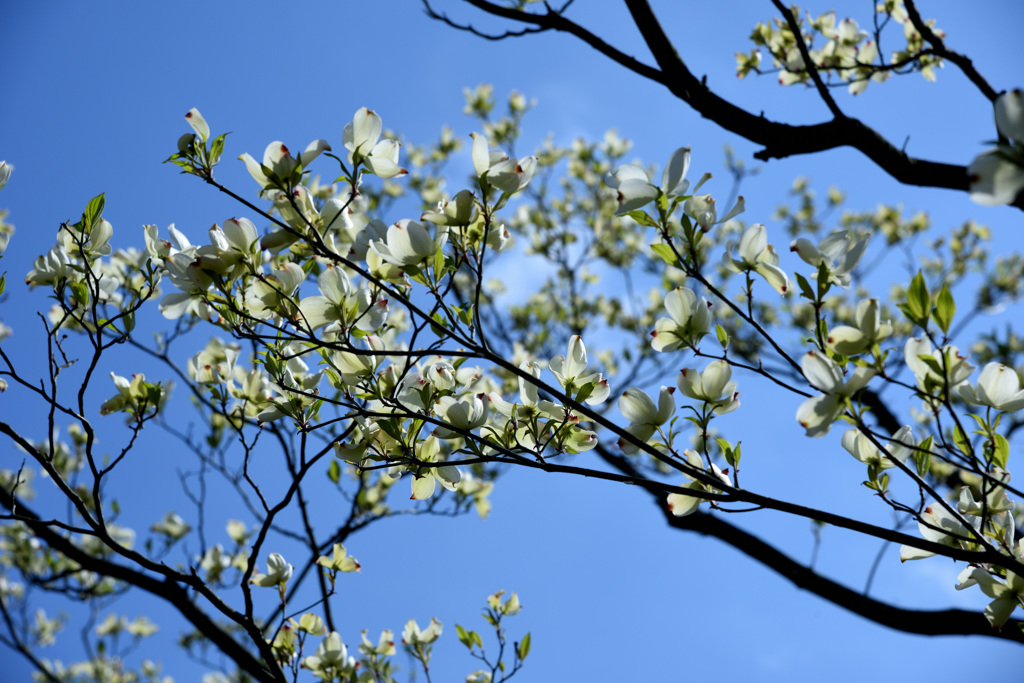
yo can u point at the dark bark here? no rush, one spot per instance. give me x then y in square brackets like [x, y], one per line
[778, 139]
[924, 622]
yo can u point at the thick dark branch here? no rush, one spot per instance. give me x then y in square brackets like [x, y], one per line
[167, 590]
[779, 140]
[924, 622]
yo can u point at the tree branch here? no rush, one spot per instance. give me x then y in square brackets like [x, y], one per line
[923, 622]
[779, 140]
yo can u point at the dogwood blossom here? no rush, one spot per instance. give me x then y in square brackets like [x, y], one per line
[569, 369]
[755, 254]
[848, 341]
[900, 447]
[837, 253]
[331, 660]
[936, 369]
[407, 244]
[713, 386]
[497, 169]
[1006, 595]
[998, 387]
[413, 635]
[278, 572]
[361, 138]
[817, 413]
[688, 322]
[997, 176]
[936, 524]
[644, 417]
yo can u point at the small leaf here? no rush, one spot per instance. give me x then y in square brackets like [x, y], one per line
[1001, 453]
[93, 210]
[334, 471]
[464, 636]
[524, 647]
[945, 309]
[923, 457]
[805, 287]
[723, 336]
[642, 218]
[665, 253]
[961, 441]
[918, 300]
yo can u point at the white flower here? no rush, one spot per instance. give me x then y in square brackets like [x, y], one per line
[997, 176]
[1006, 595]
[701, 208]
[569, 371]
[331, 659]
[644, 417]
[407, 244]
[633, 187]
[278, 160]
[859, 446]
[497, 169]
[361, 137]
[689, 320]
[340, 303]
[835, 253]
[198, 123]
[5, 173]
[278, 572]
[466, 414]
[936, 369]
[680, 504]
[936, 524]
[755, 254]
[998, 387]
[714, 386]
[423, 484]
[817, 413]
[413, 635]
[848, 341]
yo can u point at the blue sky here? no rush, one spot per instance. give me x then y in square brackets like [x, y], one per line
[94, 96]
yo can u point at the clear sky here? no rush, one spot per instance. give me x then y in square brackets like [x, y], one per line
[92, 101]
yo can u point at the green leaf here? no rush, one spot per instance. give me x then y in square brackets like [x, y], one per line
[1001, 452]
[723, 336]
[585, 391]
[80, 293]
[945, 309]
[334, 471]
[918, 300]
[438, 264]
[93, 210]
[923, 457]
[217, 148]
[805, 287]
[961, 441]
[642, 218]
[665, 253]
[464, 636]
[524, 647]
[3, 282]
